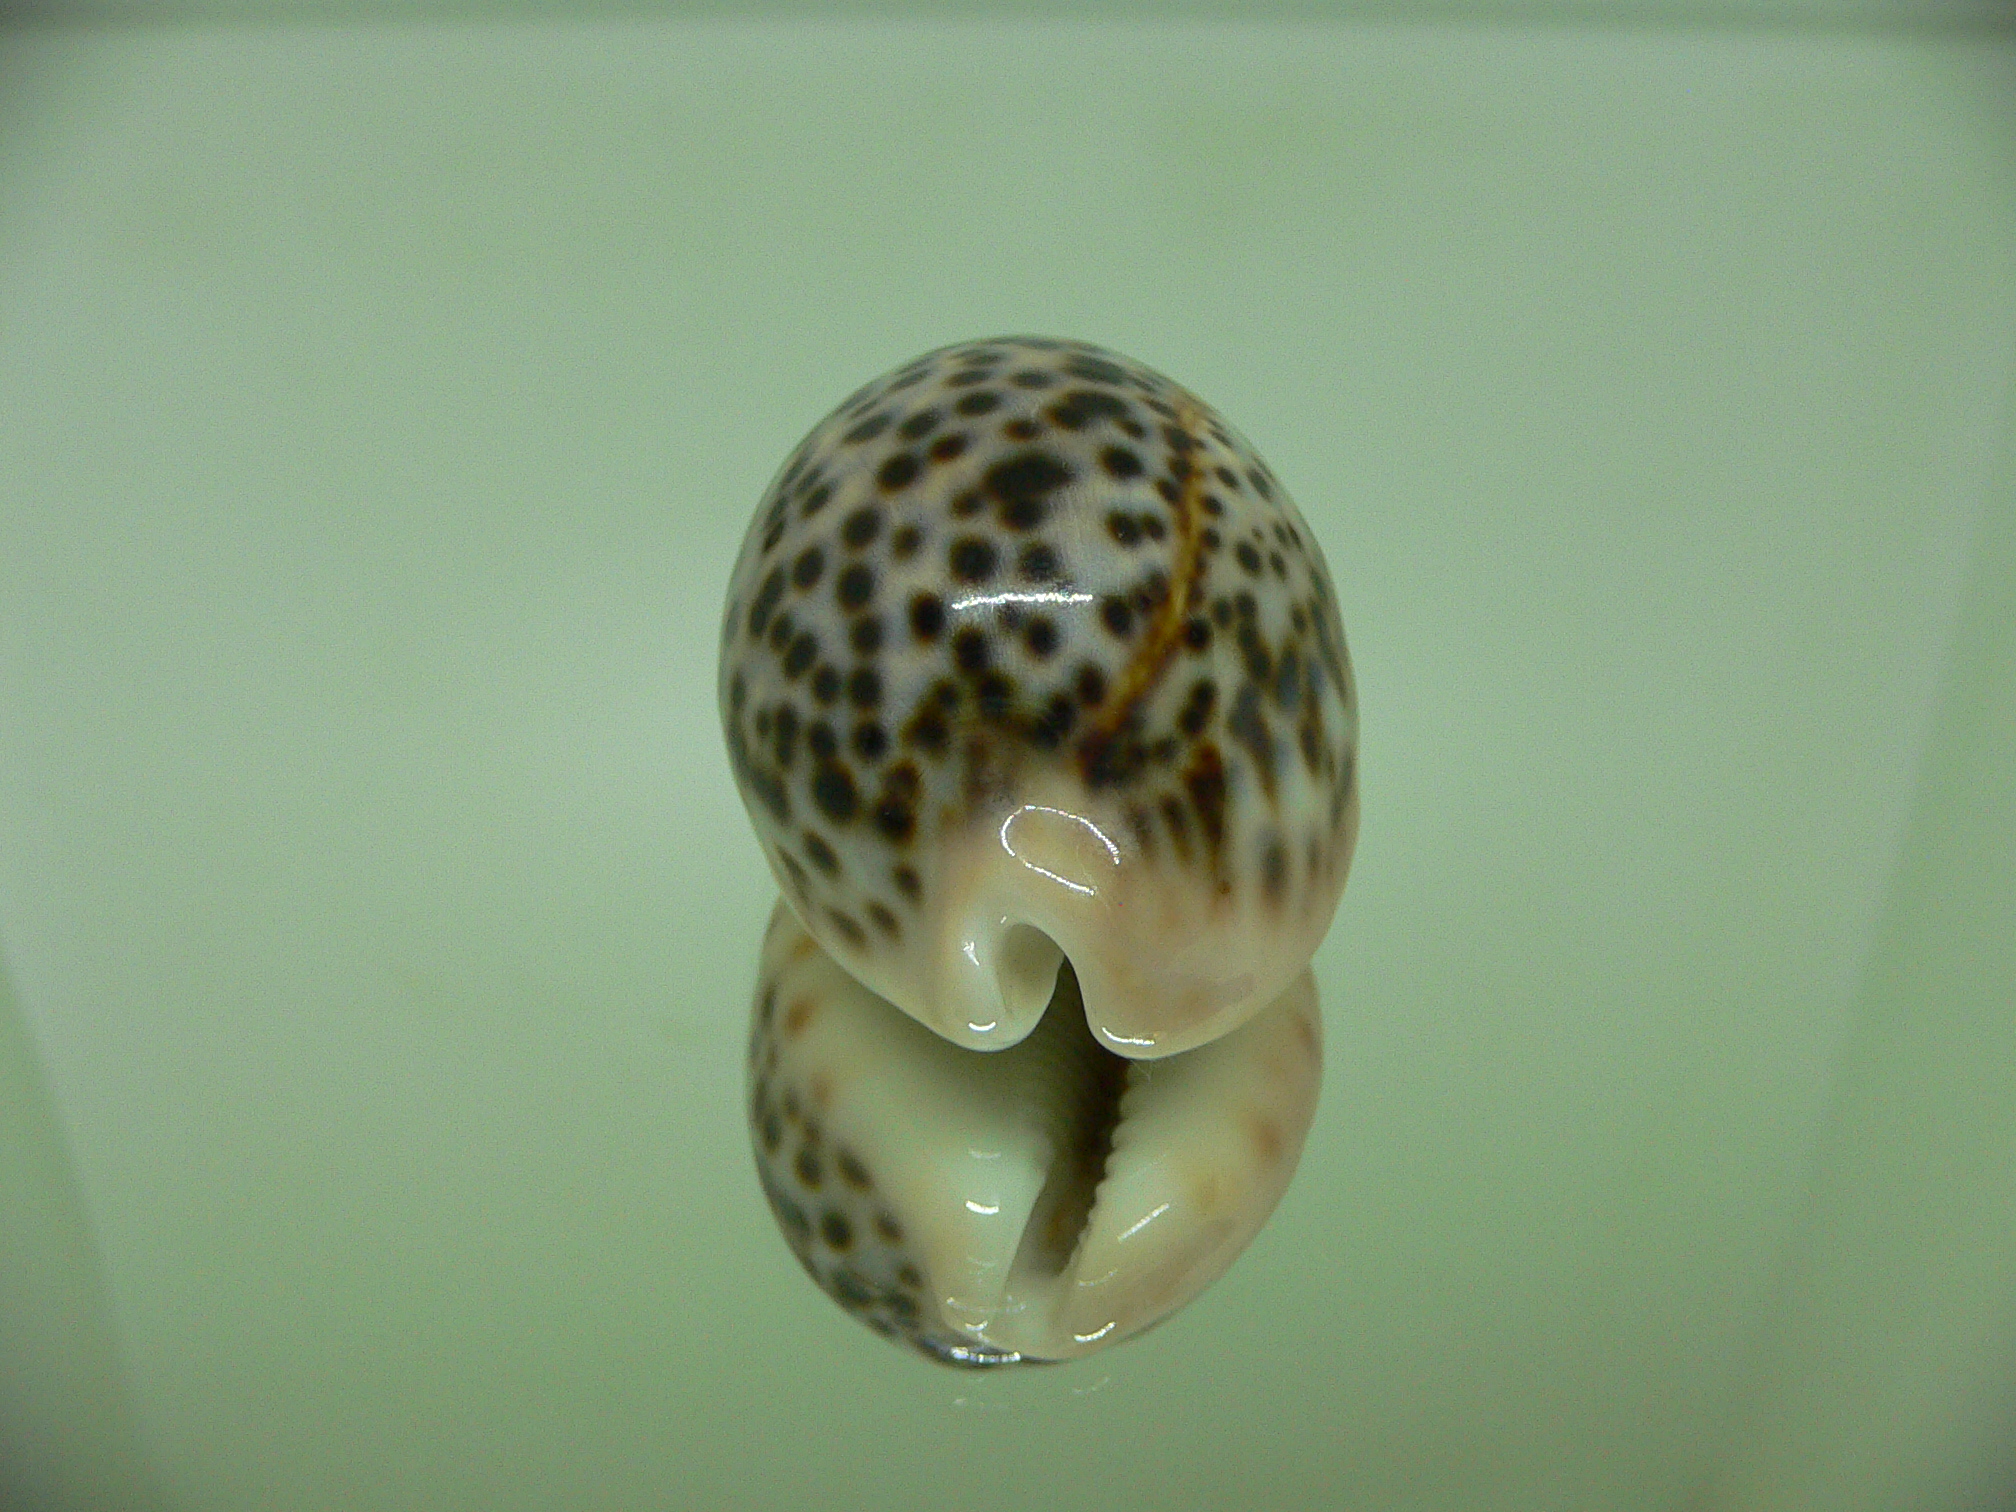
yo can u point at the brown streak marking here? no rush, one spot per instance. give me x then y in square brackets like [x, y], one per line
[1144, 669]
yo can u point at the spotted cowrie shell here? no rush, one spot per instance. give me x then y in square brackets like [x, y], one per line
[1035, 689]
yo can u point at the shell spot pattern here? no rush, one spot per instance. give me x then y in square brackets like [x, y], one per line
[1032, 574]
[1035, 688]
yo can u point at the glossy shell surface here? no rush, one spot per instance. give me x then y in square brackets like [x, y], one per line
[1028, 656]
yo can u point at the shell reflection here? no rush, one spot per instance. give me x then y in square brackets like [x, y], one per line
[1033, 1204]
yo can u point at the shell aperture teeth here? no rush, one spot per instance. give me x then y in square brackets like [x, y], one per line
[1019, 1206]
[1086, 1084]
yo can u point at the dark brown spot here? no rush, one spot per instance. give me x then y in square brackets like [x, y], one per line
[1080, 407]
[1021, 486]
[836, 1231]
[805, 571]
[765, 603]
[994, 694]
[1109, 758]
[1038, 563]
[1094, 370]
[1049, 728]
[973, 559]
[803, 649]
[1274, 869]
[864, 688]
[1205, 783]
[900, 471]
[895, 818]
[1197, 709]
[785, 734]
[1310, 737]
[834, 791]
[1253, 652]
[1288, 680]
[795, 870]
[927, 616]
[970, 649]
[927, 729]
[855, 586]
[1249, 727]
[861, 527]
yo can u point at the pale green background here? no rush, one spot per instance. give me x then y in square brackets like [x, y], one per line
[381, 406]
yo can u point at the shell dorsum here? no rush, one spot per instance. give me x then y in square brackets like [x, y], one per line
[1028, 658]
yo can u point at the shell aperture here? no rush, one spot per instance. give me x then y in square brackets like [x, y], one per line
[1035, 689]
